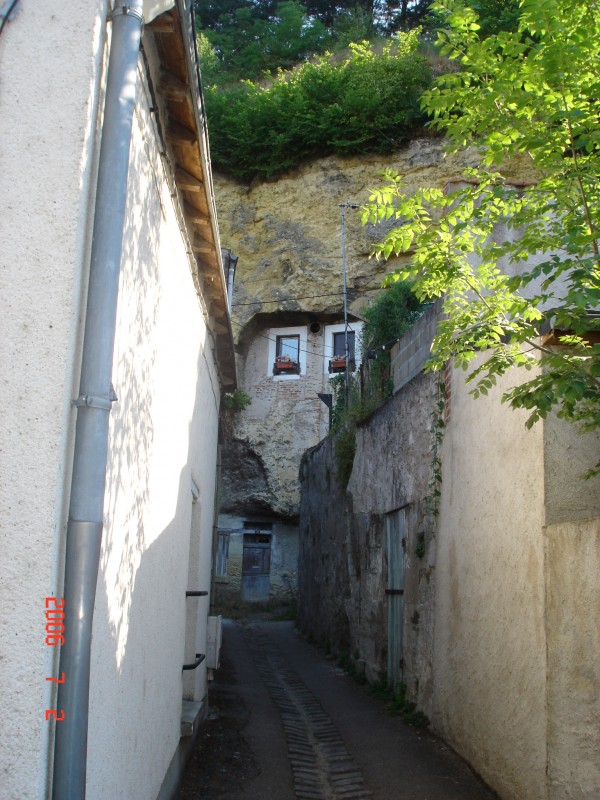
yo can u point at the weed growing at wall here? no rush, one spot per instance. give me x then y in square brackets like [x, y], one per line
[232, 403]
[397, 703]
[432, 501]
[236, 401]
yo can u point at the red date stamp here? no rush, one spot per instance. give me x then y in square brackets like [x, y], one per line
[55, 635]
[55, 621]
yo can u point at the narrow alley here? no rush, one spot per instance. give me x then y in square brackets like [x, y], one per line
[286, 722]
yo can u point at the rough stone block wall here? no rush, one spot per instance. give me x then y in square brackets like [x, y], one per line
[342, 554]
[260, 465]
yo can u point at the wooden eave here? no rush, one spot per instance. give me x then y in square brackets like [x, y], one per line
[183, 123]
[554, 338]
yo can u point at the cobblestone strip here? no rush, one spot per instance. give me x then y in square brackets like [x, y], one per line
[321, 765]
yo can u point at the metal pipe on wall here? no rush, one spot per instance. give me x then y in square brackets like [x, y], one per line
[84, 529]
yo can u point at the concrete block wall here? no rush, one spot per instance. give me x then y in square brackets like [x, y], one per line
[411, 353]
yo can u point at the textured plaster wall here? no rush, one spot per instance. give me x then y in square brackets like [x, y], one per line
[163, 436]
[490, 640]
[573, 609]
[567, 457]
[47, 160]
[163, 427]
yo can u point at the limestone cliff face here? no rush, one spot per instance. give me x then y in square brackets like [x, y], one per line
[287, 236]
[287, 233]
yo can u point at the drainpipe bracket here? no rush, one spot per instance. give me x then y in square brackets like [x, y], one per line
[125, 10]
[90, 401]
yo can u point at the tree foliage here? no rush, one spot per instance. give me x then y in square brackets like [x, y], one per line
[533, 93]
[386, 320]
[391, 314]
[250, 37]
[247, 42]
[367, 102]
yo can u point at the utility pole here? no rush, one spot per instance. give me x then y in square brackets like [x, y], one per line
[343, 207]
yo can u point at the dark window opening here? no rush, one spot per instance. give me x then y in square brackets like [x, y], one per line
[288, 346]
[339, 345]
[338, 362]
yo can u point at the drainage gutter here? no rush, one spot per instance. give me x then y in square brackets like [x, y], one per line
[84, 529]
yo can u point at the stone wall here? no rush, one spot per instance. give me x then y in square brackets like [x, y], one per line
[342, 558]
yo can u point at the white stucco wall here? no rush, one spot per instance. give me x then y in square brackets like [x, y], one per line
[163, 436]
[163, 427]
[489, 646]
[50, 63]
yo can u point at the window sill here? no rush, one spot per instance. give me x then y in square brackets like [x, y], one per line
[292, 377]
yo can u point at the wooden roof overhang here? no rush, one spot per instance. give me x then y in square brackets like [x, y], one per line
[183, 122]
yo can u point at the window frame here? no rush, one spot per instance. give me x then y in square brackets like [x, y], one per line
[273, 334]
[278, 341]
[328, 340]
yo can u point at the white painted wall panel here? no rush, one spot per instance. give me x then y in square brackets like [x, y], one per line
[163, 434]
[50, 63]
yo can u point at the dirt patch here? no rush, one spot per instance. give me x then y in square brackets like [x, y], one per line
[222, 761]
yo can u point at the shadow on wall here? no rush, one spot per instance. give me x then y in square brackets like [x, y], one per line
[132, 427]
[138, 653]
[140, 617]
[244, 485]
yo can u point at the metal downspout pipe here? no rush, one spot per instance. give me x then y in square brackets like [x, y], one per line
[84, 529]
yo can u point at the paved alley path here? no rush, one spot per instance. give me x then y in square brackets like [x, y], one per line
[290, 725]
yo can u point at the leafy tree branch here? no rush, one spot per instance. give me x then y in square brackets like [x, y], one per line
[511, 260]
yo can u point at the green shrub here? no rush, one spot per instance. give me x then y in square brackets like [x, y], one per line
[236, 400]
[390, 316]
[367, 102]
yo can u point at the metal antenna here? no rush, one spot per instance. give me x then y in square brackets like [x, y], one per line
[343, 207]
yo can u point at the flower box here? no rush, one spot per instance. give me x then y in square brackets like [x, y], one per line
[338, 364]
[284, 365]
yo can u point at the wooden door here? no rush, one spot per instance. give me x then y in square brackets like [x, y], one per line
[256, 567]
[396, 557]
